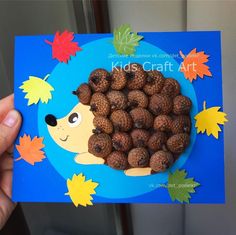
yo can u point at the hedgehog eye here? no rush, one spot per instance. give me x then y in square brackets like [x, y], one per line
[74, 119]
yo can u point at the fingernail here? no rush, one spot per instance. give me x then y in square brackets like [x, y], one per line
[11, 119]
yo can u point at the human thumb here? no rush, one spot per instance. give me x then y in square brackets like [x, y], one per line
[9, 128]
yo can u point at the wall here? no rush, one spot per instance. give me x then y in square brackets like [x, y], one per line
[155, 15]
[28, 18]
[219, 15]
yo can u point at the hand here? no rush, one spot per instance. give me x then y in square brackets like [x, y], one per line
[10, 121]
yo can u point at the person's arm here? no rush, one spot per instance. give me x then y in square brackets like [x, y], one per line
[10, 121]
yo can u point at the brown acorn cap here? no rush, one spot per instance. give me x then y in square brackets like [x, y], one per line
[157, 141]
[160, 104]
[84, 93]
[137, 98]
[162, 123]
[118, 78]
[121, 120]
[102, 125]
[136, 76]
[181, 105]
[117, 99]
[155, 82]
[142, 118]
[138, 157]
[161, 161]
[99, 80]
[100, 145]
[140, 137]
[117, 160]
[171, 88]
[178, 143]
[99, 105]
[181, 124]
[122, 141]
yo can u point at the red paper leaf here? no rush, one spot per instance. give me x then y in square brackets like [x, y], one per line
[63, 46]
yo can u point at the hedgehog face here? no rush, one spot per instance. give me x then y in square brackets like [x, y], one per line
[70, 131]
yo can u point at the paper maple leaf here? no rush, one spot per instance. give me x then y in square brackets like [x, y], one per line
[209, 119]
[180, 187]
[125, 41]
[63, 46]
[80, 191]
[194, 65]
[37, 89]
[30, 150]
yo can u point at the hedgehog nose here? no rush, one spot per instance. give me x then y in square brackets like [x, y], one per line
[51, 120]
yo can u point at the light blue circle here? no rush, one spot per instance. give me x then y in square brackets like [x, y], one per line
[67, 77]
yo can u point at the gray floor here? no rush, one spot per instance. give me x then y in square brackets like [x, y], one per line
[56, 219]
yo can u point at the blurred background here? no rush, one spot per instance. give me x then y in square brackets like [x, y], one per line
[34, 17]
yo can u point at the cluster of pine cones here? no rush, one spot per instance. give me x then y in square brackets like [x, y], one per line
[140, 118]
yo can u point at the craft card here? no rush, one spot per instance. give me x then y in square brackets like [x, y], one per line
[119, 118]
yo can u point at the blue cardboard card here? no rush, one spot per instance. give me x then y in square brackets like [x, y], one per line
[178, 104]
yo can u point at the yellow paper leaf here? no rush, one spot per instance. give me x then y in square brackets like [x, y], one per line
[209, 119]
[80, 191]
[37, 89]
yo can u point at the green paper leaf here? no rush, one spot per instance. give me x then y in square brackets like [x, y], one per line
[180, 187]
[125, 41]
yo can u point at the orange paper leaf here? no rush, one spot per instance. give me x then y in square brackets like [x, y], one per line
[194, 65]
[30, 150]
